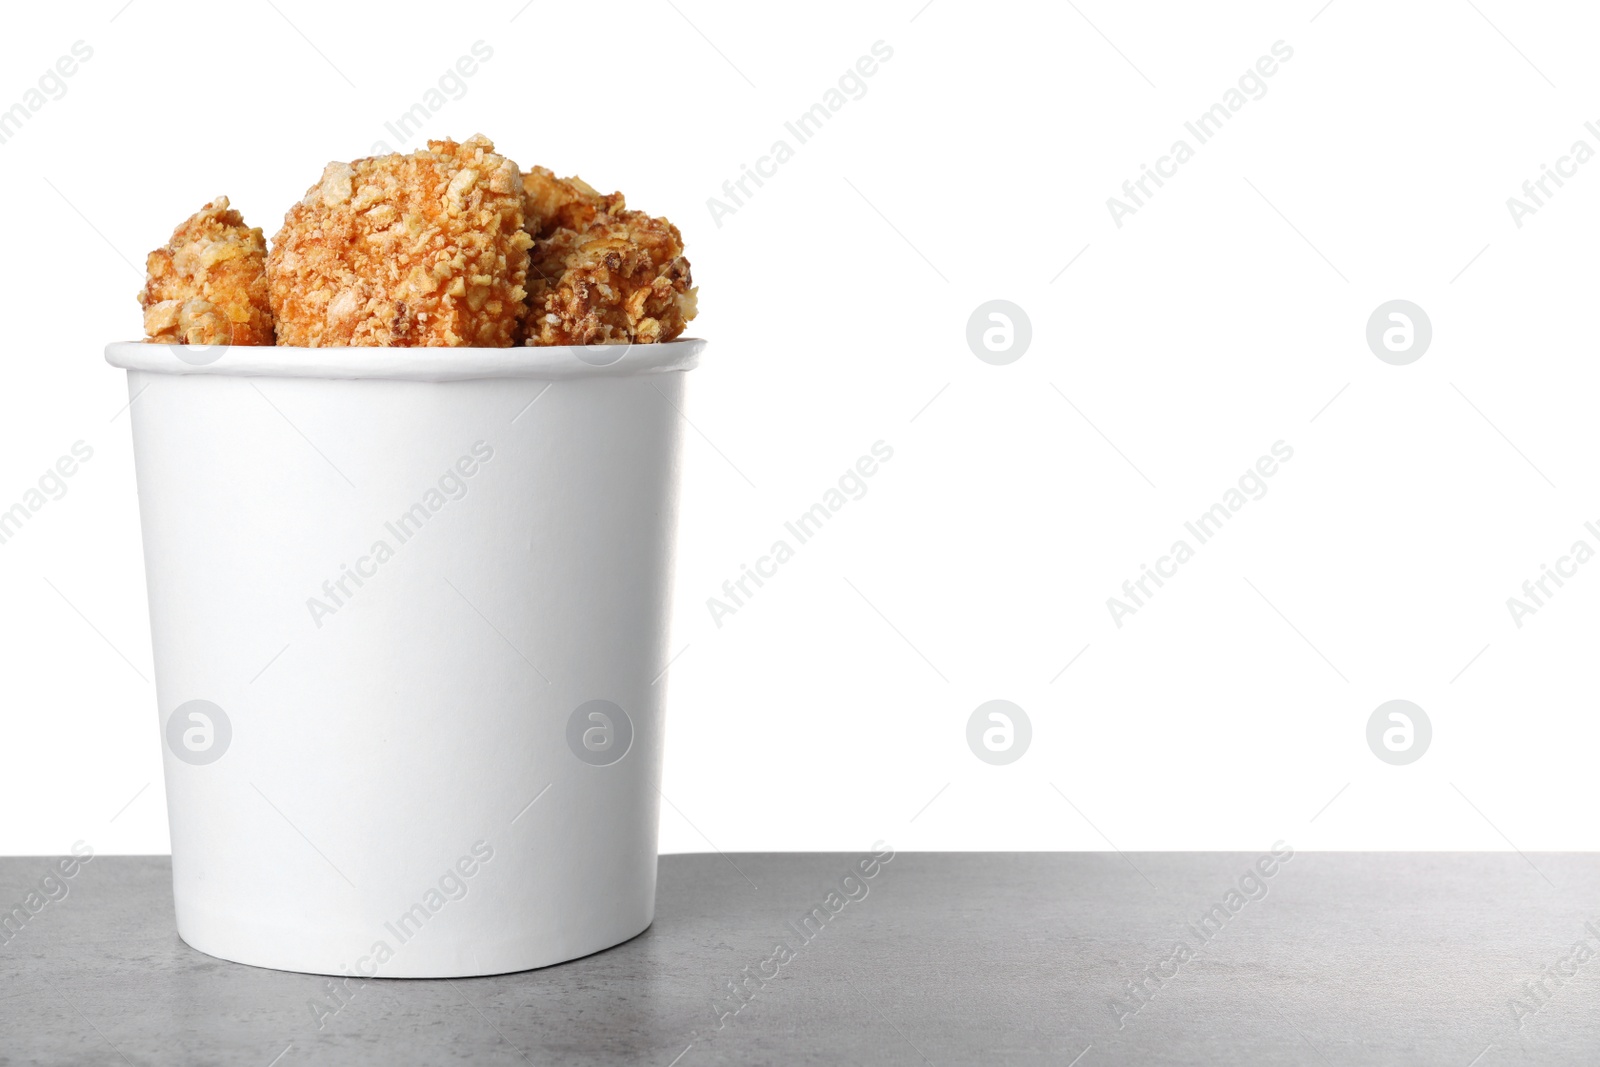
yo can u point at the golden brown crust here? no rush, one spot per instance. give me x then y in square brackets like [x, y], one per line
[208, 285]
[601, 274]
[426, 249]
[550, 202]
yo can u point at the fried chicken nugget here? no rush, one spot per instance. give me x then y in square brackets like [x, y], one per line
[550, 202]
[426, 249]
[601, 274]
[208, 285]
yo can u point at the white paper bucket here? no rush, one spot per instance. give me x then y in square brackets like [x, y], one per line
[409, 613]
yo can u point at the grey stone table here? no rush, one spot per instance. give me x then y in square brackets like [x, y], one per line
[940, 959]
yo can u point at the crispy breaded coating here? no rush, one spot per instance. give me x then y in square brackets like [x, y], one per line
[426, 249]
[601, 274]
[550, 202]
[208, 285]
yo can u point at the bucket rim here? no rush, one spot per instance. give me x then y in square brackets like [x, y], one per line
[408, 364]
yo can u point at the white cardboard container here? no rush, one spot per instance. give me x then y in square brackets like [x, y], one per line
[409, 613]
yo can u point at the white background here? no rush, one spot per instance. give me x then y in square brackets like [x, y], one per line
[1222, 317]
